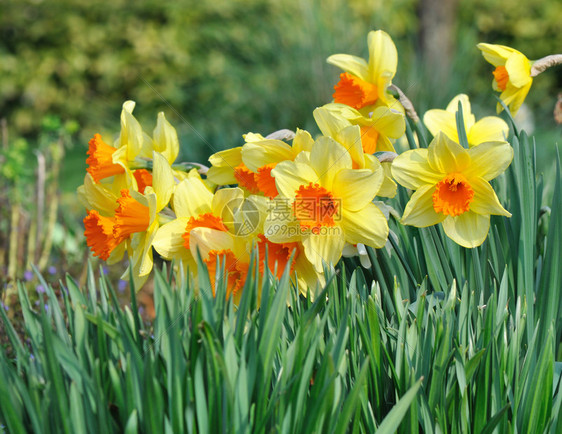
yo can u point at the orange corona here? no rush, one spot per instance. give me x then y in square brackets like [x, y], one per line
[235, 271]
[130, 217]
[314, 206]
[501, 76]
[266, 182]
[98, 231]
[100, 159]
[246, 178]
[354, 92]
[453, 195]
[206, 220]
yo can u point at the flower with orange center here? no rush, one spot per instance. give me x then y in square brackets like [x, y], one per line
[100, 159]
[355, 92]
[487, 129]
[512, 74]
[364, 84]
[330, 201]
[362, 136]
[452, 186]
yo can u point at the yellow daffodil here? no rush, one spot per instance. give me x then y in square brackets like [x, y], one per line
[250, 165]
[512, 76]
[126, 159]
[323, 203]
[452, 187]
[487, 129]
[378, 130]
[337, 121]
[364, 84]
[133, 218]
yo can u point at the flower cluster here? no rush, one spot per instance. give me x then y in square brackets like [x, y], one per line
[293, 201]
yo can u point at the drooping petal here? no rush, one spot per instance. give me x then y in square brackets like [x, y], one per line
[356, 188]
[388, 122]
[96, 196]
[353, 64]
[325, 246]
[488, 129]
[485, 200]
[468, 229]
[412, 170]
[489, 159]
[367, 226]
[328, 121]
[419, 210]
[227, 158]
[446, 155]
[383, 60]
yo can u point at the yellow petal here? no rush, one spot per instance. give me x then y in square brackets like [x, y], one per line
[326, 246]
[412, 170]
[467, 115]
[227, 158]
[388, 122]
[169, 241]
[383, 57]
[96, 196]
[350, 138]
[446, 155]
[495, 54]
[226, 201]
[356, 188]
[281, 227]
[289, 176]
[329, 122]
[303, 141]
[519, 69]
[353, 64]
[468, 229]
[205, 239]
[514, 98]
[437, 120]
[192, 198]
[166, 139]
[485, 200]
[367, 226]
[162, 180]
[489, 159]
[221, 175]
[327, 157]
[488, 129]
[419, 210]
[131, 134]
[388, 186]
[258, 154]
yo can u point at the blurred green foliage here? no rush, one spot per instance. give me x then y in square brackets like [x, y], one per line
[225, 67]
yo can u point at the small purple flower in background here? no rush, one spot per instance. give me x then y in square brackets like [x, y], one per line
[105, 270]
[52, 269]
[37, 303]
[47, 307]
[141, 310]
[31, 357]
[40, 289]
[28, 275]
[122, 285]
[4, 306]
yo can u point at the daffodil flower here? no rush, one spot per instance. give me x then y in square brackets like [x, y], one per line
[132, 219]
[512, 76]
[250, 165]
[487, 129]
[328, 202]
[452, 187]
[336, 121]
[364, 84]
[125, 159]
